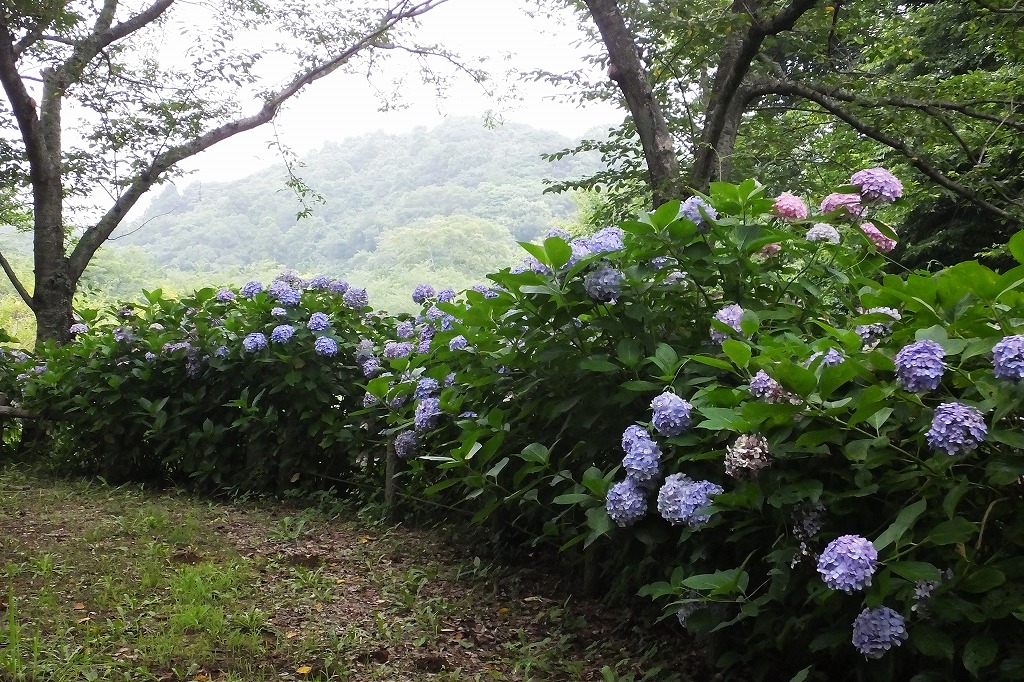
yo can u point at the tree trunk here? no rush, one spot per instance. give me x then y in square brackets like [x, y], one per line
[626, 69]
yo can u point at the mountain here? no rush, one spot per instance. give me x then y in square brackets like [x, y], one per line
[370, 185]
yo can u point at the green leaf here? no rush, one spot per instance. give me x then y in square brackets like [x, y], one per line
[629, 352]
[792, 493]
[914, 570]
[932, 641]
[665, 214]
[983, 580]
[979, 653]
[558, 252]
[957, 529]
[1017, 246]
[597, 364]
[801, 676]
[737, 351]
[665, 358]
[536, 251]
[573, 498]
[795, 378]
[904, 521]
[722, 419]
[711, 362]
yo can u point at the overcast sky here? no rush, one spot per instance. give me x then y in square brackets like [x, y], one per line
[344, 105]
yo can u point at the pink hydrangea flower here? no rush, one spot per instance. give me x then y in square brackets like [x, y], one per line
[770, 250]
[790, 207]
[850, 202]
[882, 243]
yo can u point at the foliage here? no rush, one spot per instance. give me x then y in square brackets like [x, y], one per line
[863, 479]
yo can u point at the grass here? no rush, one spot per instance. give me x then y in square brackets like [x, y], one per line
[102, 583]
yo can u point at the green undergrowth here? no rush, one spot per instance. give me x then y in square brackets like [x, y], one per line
[127, 583]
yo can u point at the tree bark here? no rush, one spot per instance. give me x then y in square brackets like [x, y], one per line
[628, 72]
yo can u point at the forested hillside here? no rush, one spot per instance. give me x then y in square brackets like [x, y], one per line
[370, 185]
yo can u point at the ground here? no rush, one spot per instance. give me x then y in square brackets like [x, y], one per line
[105, 583]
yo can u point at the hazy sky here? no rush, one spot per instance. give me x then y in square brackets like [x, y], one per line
[344, 105]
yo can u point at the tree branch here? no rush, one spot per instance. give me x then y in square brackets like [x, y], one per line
[833, 106]
[1017, 7]
[18, 286]
[140, 20]
[94, 237]
[21, 102]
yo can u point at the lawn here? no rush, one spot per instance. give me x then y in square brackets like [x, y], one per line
[126, 583]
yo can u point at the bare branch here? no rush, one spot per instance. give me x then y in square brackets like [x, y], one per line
[18, 286]
[126, 28]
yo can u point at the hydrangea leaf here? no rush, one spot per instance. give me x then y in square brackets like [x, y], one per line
[557, 251]
[737, 351]
[979, 653]
[914, 570]
[931, 641]
[956, 530]
[983, 580]
[1017, 246]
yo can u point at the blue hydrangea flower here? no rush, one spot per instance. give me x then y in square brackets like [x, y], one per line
[671, 414]
[829, 358]
[1008, 358]
[423, 346]
[560, 233]
[337, 286]
[405, 330]
[356, 298]
[407, 445]
[428, 411]
[364, 350]
[393, 350]
[626, 503]
[823, 232]
[643, 459]
[683, 500]
[874, 332]
[434, 313]
[369, 399]
[919, 366]
[169, 348]
[877, 184]
[326, 347]
[225, 295]
[580, 250]
[458, 343]
[956, 429]
[606, 240]
[848, 563]
[449, 380]
[318, 322]
[662, 262]
[370, 366]
[123, 335]
[877, 630]
[278, 312]
[632, 435]
[150, 356]
[222, 352]
[730, 315]
[319, 283]
[446, 295]
[425, 388]
[282, 333]
[447, 322]
[604, 284]
[254, 342]
[487, 291]
[251, 289]
[764, 387]
[691, 209]
[421, 293]
[78, 328]
[284, 293]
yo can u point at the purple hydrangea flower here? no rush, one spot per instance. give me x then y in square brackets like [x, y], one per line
[150, 356]
[604, 284]
[848, 563]
[458, 343]
[251, 289]
[355, 298]
[956, 429]
[325, 346]
[318, 322]
[829, 358]
[849, 203]
[487, 291]
[284, 293]
[580, 250]
[877, 630]
[123, 335]
[447, 322]
[808, 520]
[730, 315]
[823, 232]
[222, 352]
[691, 210]
[747, 455]
[560, 233]
[428, 411]
[1008, 358]
[169, 348]
[278, 312]
[337, 286]
[683, 500]
[872, 333]
[877, 184]
[434, 313]
[319, 283]
[446, 295]
[254, 342]
[405, 330]
[425, 388]
[393, 350]
[626, 503]
[225, 295]
[282, 333]
[643, 459]
[671, 414]
[790, 207]
[919, 366]
[662, 262]
[407, 445]
[606, 240]
[421, 293]
[371, 367]
[364, 350]
[369, 399]
[764, 387]
[78, 328]
[632, 435]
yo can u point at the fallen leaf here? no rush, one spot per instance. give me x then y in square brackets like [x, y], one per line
[503, 611]
[82, 620]
[304, 670]
[291, 634]
[201, 677]
[79, 606]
